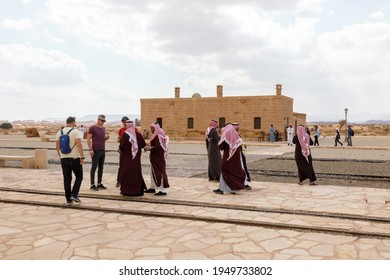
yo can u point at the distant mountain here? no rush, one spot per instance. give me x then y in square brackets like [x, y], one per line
[377, 122]
[360, 117]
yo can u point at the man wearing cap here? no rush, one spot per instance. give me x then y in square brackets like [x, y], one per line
[96, 141]
[120, 132]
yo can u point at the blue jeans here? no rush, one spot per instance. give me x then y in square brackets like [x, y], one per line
[70, 165]
[97, 162]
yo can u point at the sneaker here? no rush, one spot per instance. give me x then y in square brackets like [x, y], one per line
[69, 203]
[160, 193]
[94, 188]
[150, 191]
[75, 199]
[248, 188]
[101, 186]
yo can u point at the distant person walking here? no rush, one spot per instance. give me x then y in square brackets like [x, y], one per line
[131, 144]
[158, 148]
[316, 135]
[303, 157]
[351, 133]
[272, 133]
[82, 132]
[213, 152]
[71, 161]
[290, 134]
[337, 137]
[96, 141]
[120, 132]
[232, 173]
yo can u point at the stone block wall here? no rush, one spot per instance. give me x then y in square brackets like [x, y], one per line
[175, 112]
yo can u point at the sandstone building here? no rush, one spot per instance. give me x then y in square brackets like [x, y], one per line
[188, 118]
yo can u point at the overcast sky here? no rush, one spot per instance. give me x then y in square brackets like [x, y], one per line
[73, 57]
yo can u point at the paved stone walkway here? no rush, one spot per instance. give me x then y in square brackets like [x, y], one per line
[77, 232]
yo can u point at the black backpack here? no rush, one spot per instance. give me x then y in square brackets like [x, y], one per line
[352, 132]
[65, 142]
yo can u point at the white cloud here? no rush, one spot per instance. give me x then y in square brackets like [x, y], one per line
[248, 46]
[39, 66]
[17, 24]
[38, 82]
[377, 15]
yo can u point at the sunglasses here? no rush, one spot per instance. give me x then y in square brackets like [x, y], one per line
[102, 120]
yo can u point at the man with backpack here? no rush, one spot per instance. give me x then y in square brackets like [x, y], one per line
[350, 134]
[70, 151]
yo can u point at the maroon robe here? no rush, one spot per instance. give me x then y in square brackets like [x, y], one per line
[305, 166]
[231, 170]
[132, 181]
[158, 164]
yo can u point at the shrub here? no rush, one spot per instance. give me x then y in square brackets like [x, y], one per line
[6, 125]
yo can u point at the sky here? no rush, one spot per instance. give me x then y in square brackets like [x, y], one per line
[61, 58]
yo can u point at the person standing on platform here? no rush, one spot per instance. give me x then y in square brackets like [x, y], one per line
[316, 135]
[82, 132]
[351, 133]
[303, 157]
[213, 153]
[120, 132]
[158, 147]
[232, 173]
[272, 133]
[131, 144]
[72, 161]
[96, 141]
[290, 134]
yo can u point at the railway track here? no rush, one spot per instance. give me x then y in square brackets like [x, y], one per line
[279, 173]
[238, 214]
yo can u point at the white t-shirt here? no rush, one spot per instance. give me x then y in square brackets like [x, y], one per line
[75, 133]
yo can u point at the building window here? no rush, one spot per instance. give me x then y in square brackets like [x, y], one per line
[257, 123]
[159, 121]
[190, 123]
[221, 122]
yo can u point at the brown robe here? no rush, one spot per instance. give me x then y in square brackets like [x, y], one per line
[158, 164]
[131, 179]
[231, 170]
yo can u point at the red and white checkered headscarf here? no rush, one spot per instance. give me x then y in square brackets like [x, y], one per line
[213, 124]
[304, 141]
[231, 137]
[164, 139]
[130, 130]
